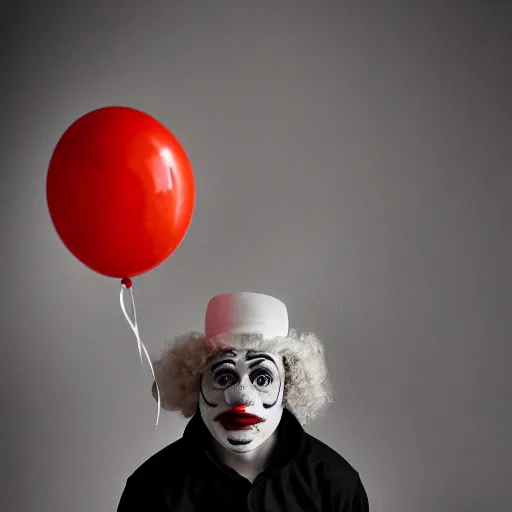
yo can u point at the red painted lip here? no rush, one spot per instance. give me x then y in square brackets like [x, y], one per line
[234, 420]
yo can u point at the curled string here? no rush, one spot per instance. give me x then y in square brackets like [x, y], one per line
[126, 284]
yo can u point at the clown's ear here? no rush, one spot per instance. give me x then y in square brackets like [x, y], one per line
[153, 391]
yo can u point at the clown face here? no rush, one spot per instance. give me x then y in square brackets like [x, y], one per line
[241, 398]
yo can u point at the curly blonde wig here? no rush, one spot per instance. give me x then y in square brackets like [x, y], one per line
[306, 392]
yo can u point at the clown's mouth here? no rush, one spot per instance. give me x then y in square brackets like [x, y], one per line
[232, 420]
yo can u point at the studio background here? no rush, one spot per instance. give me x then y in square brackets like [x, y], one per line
[351, 158]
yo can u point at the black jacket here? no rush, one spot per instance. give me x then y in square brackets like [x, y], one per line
[303, 474]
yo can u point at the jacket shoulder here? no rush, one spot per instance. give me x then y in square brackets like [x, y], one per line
[332, 463]
[341, 482]
[167, 461]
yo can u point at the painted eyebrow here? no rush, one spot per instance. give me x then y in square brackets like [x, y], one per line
[258, 356]
[220, 363]
[256, 363]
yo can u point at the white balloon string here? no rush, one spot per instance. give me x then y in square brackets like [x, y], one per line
[132, 321]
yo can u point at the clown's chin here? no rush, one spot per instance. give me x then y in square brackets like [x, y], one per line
[242, 440]
[242, 445]
[239, 442]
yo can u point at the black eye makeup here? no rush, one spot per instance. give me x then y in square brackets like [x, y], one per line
[261, 370]
[224, 378]
[261, 378]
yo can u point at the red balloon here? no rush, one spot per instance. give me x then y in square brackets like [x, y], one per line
[120, 191]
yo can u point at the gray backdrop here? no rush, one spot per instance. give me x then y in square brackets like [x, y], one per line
[352, 158]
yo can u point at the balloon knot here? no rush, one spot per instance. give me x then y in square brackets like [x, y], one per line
[127, 282]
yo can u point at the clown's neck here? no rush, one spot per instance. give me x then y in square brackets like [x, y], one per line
[249, 464]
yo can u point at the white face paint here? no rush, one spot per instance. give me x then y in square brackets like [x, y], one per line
[241, 398]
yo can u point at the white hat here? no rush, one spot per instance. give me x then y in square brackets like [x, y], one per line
[246, 313]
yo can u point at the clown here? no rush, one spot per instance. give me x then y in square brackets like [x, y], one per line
[250, 385]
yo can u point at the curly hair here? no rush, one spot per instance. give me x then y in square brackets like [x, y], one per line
[307, 388]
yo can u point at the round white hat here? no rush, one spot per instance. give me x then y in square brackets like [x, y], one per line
[246, 313]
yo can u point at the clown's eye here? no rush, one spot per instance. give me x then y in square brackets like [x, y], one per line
[225, 378]
[261, 379]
